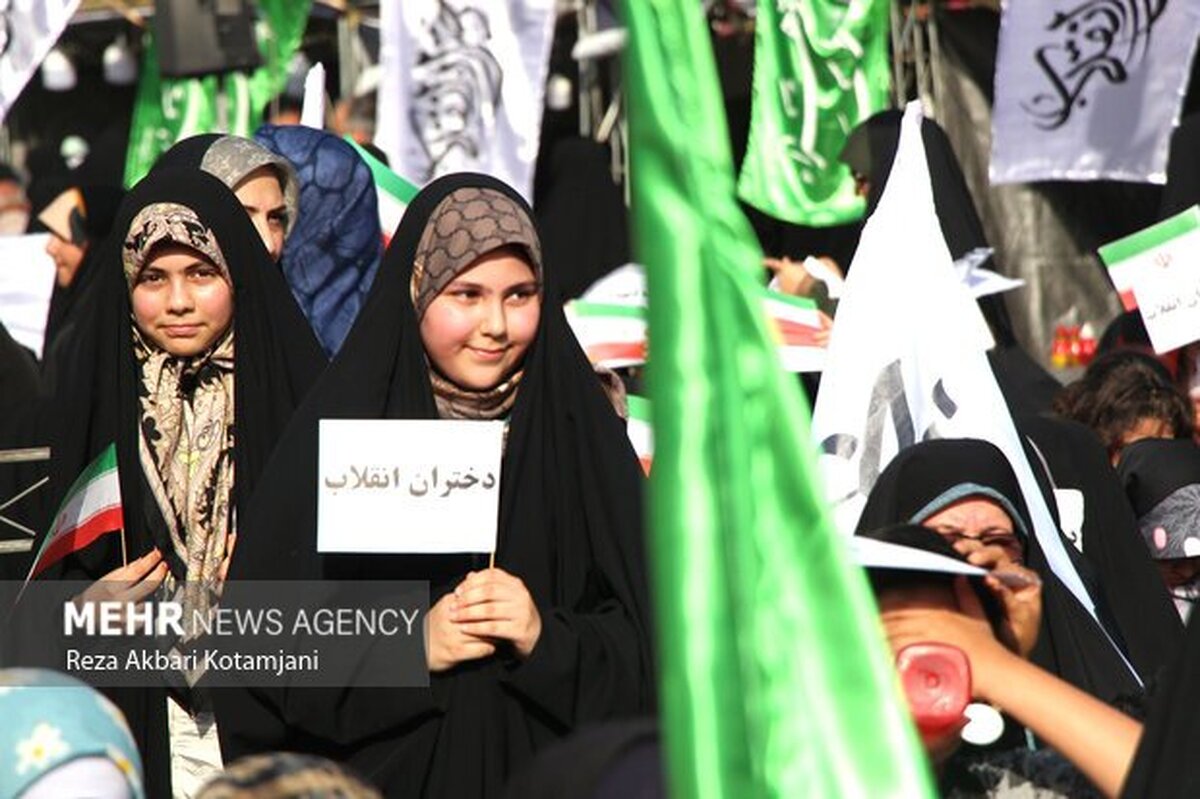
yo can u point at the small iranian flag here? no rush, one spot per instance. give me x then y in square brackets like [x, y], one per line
[641, 435]
[91, 509]
[799, 325]
[610, 323]
[394, 192]
[612, 335]
[1137, 258]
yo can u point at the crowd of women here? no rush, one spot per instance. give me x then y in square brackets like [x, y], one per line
[207, 321]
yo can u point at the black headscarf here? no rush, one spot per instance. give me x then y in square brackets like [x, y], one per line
[277, 360]
[570, 527]
[1154, 468]
[928, 477]
[581, 213]
[1183, 168]
[101, 204]
[1115, 565]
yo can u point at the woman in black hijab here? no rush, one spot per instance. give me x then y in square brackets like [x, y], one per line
[141, 387]
[78, 220]
[928, 478]
[569, 527]
[869, 152]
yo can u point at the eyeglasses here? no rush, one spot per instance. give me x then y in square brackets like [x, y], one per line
[1006, 541]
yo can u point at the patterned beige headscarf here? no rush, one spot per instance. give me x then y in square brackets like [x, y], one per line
[468, 224]
[186, 429]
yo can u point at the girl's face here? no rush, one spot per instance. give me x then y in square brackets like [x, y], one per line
[478, 329]
[181, 301]
[262, 197]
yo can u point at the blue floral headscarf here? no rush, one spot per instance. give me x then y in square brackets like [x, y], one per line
[331, 255]
[52, 722]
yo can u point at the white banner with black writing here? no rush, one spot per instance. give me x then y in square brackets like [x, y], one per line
[462, 87]
[1090, 89]
[28, 30]
[898, 373]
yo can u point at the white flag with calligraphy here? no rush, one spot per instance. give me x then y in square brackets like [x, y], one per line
[28, 29]
[462, 87]
[1090, 89]
[907, 358]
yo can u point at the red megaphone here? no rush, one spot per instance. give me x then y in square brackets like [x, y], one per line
[937, 682]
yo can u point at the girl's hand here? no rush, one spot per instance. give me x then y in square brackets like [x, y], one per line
[493, 604]
[446, 644]
[129, 584]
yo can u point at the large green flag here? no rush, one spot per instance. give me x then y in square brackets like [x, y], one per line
[775, 680]
[820, 68]
[169, 109]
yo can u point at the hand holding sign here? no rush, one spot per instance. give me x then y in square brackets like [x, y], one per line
[495, 604]
[446, 643]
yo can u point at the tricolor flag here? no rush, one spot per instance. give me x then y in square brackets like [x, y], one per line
[802, 330]
[394, 192]
[1132, 255]
[91, 509]
[641, 434]
[612, 335]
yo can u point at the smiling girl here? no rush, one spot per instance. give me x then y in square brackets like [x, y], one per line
[463, 322]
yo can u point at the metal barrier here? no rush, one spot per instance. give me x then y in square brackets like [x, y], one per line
[25, 455]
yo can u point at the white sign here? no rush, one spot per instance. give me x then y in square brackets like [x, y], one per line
[26, 283]
[1160, 267]
[413, 486]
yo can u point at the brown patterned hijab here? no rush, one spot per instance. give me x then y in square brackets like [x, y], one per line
[186, 430]
[466, 225]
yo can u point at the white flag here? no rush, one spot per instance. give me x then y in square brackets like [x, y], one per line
[462, 87]
[28, 29]
[907, 358]
[1090, 90]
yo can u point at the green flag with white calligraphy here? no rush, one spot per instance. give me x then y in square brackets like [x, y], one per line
[820, 68]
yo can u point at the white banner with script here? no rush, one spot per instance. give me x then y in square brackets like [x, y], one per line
[412, 486]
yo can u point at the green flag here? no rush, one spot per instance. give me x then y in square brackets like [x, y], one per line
[775, 681]
[169, 109]
[820, 68]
